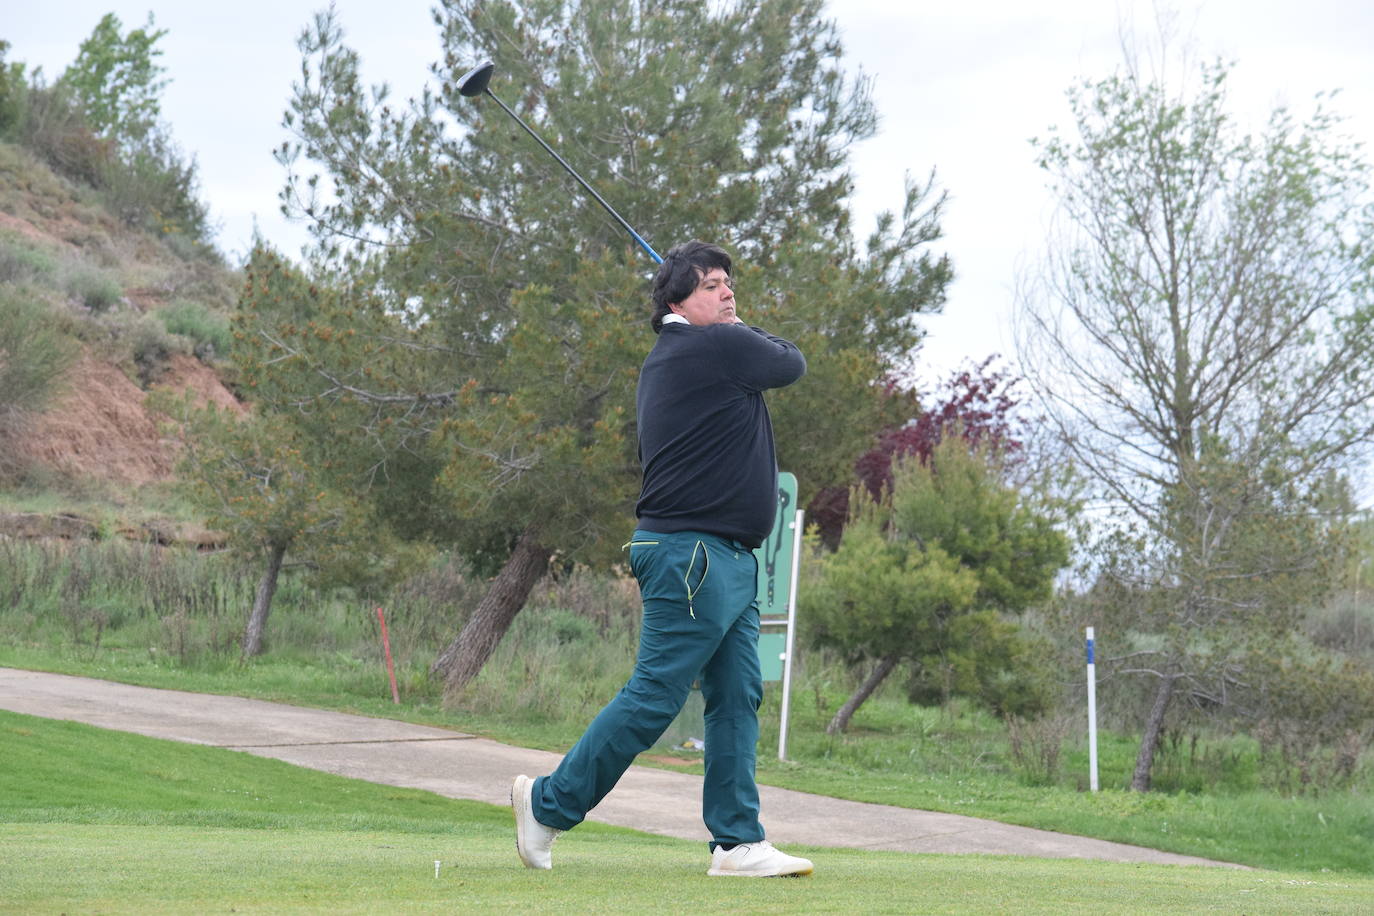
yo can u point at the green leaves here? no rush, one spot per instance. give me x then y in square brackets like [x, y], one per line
[445, 216]
[876, 595]
[265, 482]
[117, 80]
[958, 502]
[34, 354]
[922, 574]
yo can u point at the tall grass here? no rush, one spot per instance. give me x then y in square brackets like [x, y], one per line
[555, 667]
[127, 602]
[119, 594]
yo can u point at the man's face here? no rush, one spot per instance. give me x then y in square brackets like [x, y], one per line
[712, 302]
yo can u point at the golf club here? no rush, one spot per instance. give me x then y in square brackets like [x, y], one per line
[474, 83]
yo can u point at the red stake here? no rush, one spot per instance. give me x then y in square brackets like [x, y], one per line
[386, 649]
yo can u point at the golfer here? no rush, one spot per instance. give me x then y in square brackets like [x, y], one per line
[709, 497]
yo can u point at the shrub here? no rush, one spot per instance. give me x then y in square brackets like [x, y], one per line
[54, 128]
[153, 187]
[1315, 722]
[93, 288]
[98, 125]
[191, 248]
[1037, 745]
[152, 348]
[33, 355]
[20, 263]
[209, 330]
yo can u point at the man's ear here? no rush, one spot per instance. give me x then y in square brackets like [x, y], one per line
[675, 308]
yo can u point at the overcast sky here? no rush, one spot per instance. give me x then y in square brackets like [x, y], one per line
[961, 88]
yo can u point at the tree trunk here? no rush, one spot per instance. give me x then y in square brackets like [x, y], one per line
[262, 602]
[1154, 730]
[465, 656]
[846, 712]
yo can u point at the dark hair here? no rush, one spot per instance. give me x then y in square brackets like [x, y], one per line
[681, 271]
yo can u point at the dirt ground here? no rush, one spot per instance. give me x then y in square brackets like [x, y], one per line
[101, 429]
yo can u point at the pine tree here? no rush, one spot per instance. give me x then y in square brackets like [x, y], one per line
[523, 308]
[923, 573]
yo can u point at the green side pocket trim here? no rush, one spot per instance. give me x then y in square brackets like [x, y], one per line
[687, 576]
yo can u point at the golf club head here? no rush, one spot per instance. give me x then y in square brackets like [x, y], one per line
[475, 81]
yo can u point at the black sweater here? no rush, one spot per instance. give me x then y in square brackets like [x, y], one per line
[705, 439]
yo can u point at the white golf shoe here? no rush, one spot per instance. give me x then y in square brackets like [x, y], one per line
[533, 841]
[757, 860]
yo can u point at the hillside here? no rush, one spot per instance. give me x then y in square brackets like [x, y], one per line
[129, 312]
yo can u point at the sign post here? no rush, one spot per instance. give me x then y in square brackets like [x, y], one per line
[791, 637]
[1092, 713]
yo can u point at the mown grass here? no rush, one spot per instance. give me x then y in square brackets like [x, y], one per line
[99, 821]
[166, 619]
[65, 868]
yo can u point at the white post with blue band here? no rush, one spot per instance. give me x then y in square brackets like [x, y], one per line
[1092, 714]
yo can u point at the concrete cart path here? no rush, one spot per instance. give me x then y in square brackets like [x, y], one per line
[463, 766]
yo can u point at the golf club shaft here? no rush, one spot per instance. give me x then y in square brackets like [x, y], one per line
[589, 189]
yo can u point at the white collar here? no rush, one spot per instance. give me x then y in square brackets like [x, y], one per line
[674, 318]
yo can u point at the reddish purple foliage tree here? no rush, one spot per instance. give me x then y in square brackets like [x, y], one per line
[977, 402]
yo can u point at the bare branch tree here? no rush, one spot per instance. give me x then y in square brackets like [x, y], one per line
[1200, 334]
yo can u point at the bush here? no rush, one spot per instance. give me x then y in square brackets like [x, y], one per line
[154, 188]
[209, 330]
[1036, 746]
[33, 355]
[1315, 722]
[20, 263]
[992, 660]
[58, 133]
[93, 288]
[152, 348]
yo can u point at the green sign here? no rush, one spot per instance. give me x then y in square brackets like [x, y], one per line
[772, 647]
[775, 554]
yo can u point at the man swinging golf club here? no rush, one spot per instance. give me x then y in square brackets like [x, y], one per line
[708, 498]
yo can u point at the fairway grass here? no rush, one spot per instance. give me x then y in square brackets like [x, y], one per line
[57, 868]
[100, 821]
[905, 756]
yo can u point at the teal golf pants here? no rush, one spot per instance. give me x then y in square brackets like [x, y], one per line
[701, 620]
